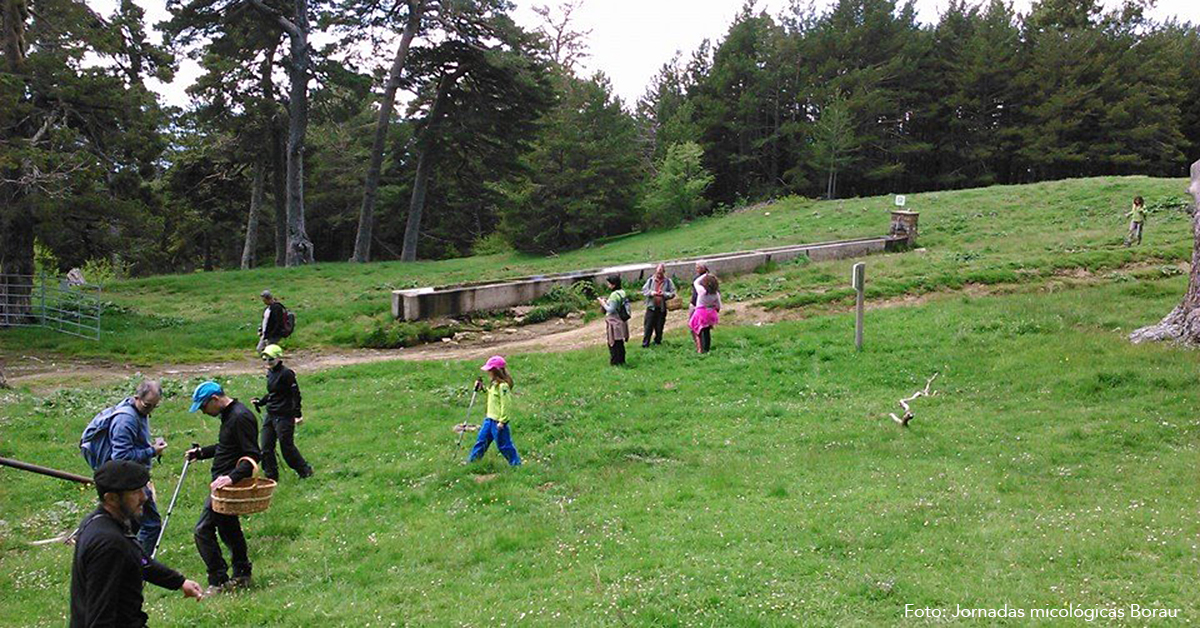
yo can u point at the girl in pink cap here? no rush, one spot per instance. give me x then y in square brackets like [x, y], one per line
[495, 426]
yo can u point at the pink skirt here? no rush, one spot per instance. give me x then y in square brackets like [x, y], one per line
[703, 317]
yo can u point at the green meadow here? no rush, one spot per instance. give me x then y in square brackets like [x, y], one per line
[996, 235]
[760, 485]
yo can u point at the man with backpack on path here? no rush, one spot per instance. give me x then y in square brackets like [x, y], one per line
[276, 322]
[122, 432]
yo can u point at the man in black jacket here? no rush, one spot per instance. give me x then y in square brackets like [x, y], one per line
[283, 415]
[109, 565]
[270, 332]
[238, 438]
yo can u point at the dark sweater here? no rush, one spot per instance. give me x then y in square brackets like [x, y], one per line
[238, 437]
[283, 393]
[274, 327]
[107, 575]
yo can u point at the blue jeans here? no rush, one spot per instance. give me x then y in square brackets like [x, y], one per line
[150, 524]
[502, 434]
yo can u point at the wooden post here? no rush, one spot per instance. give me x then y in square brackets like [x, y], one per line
[858, 279]
[54, 473]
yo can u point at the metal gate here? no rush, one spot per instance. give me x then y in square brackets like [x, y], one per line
[51, 302]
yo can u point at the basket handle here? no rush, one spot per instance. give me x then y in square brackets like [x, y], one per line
[254, 472]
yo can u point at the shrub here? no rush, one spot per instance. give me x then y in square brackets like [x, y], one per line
[393, 334]
[491, 244]
[560, 301]
[104, 270]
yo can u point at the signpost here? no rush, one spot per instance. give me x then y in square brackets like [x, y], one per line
[858, 280]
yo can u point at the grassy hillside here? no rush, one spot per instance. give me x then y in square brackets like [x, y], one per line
[760, 485]
[993, 235]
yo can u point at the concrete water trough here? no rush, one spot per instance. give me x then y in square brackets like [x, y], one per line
[452, 300]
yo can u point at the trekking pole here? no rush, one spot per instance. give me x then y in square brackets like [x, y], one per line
[463, 428]
[167, 519]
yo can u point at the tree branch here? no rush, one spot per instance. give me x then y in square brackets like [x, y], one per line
[284, 23]
[908, 415]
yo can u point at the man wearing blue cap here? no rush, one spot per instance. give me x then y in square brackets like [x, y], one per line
[110, 567]
[238, 438]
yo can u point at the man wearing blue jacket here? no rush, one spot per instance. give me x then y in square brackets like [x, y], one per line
[130, 436]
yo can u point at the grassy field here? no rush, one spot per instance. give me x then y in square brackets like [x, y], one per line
[1005, 234]
[760, 485]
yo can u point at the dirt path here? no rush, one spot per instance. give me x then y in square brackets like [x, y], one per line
[553, 336]
[557, 335]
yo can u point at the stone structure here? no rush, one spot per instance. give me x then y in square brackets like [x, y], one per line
[904, 224]
[452, 300]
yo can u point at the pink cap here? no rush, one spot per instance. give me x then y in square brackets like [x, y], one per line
[494, 362]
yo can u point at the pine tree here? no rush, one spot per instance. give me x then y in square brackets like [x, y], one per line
[582, 174]
[677, 190]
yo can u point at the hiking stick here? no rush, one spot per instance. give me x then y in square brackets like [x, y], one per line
[186, 463]
[462, 429]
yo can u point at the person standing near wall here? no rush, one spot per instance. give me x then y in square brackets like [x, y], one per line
[708, 303]
[658, 289]
[616, 320]
[701, 270]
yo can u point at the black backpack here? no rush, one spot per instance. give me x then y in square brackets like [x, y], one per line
[289, 322]
[625, 311]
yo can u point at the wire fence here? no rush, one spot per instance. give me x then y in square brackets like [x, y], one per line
[51, 302]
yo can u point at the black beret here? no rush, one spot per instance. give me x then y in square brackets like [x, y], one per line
[116, 476]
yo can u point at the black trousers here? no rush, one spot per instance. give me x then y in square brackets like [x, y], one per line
[705, 339]
[229, 527]
[655, 321]
[282, 429]
[616, 353]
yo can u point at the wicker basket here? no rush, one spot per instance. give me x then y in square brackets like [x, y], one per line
[246, 496]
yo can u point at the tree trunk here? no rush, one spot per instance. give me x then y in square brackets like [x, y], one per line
[208, 253]
[279, 189]
[1183, 323]
[425, 160]
[299, 247]
[366, 216]
[16, 217]
[16, 264]
[415, 207]
[256, 199]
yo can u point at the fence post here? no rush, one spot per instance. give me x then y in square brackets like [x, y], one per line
[858, 279]
[43, 297]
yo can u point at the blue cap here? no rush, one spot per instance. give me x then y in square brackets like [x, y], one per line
[203, 393]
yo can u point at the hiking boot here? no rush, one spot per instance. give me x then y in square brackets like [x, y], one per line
[239, 582]
[216, 589]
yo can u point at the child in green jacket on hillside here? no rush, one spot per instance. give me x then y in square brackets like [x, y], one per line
[1137, 220]
[495, 426]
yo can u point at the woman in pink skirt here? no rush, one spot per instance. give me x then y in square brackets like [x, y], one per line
[705, 316]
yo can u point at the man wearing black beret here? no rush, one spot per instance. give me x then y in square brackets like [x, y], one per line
[110, 565]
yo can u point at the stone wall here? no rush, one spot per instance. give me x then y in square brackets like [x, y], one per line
[443, 301]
